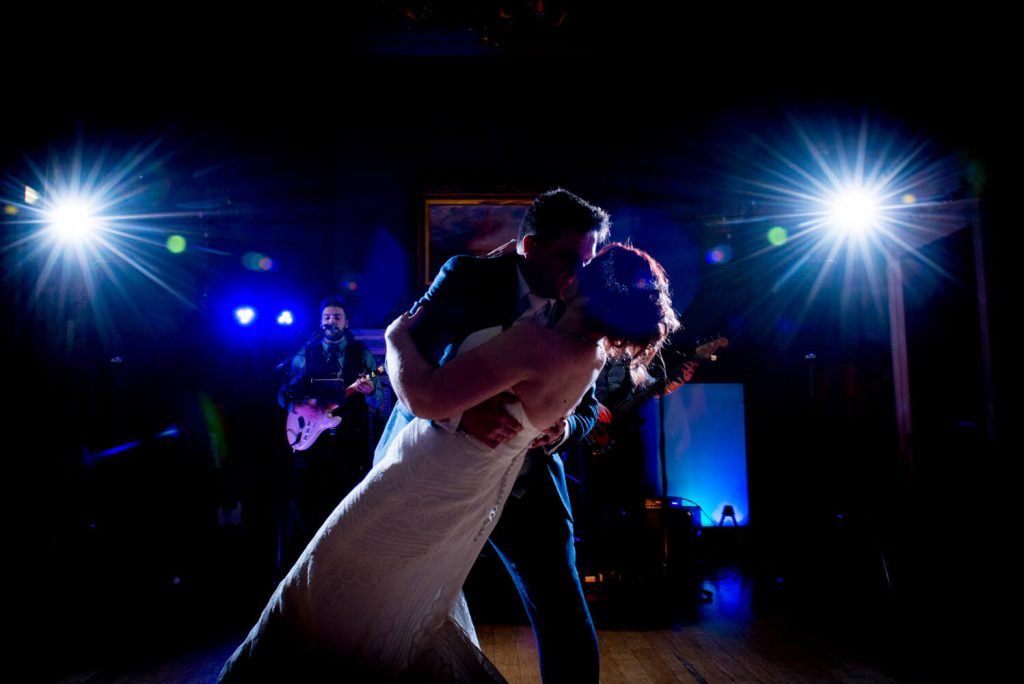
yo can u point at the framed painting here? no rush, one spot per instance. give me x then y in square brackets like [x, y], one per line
[477, 225]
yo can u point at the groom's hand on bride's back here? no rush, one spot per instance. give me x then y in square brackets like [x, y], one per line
[553, 435]
[490, 422]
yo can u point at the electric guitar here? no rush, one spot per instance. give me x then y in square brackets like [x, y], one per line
[601, 437]
[302, 432]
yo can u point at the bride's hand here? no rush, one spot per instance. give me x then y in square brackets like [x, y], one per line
[404, 323]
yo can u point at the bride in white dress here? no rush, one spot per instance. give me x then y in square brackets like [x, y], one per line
[376, 593]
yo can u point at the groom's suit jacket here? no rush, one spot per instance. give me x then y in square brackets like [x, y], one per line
[469, 294]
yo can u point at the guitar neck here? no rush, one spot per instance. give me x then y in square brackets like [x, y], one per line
[350, 390]
[643, 395]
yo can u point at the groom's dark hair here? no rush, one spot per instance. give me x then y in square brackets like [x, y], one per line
[559, 211]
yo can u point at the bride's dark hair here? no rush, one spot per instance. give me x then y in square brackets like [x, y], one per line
[627, 299]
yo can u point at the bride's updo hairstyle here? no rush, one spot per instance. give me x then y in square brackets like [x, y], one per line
[627, 299]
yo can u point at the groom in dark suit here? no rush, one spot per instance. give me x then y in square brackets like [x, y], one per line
[534, 538]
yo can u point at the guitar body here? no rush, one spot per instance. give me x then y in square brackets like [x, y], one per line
[604, 435]
[600, 437]
[301, 433]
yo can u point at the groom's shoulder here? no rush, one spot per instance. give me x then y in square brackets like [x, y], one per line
[468, 264]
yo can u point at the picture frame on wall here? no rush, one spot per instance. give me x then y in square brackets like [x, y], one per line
[468, 224]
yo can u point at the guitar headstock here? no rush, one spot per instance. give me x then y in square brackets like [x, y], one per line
[706, 350]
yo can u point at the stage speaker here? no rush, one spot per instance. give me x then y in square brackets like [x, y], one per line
[670, 535]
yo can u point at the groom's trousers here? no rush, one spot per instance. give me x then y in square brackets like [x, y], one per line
[534, 538]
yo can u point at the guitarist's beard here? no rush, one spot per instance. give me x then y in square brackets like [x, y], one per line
[332, 333]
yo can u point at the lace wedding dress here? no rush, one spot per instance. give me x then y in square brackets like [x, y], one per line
[377, 593]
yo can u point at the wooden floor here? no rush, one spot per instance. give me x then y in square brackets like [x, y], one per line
[722, 641]
[716, 652]
[709, 653]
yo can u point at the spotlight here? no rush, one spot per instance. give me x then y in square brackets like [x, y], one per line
[72, 219]
[855, 210]
[285, 318]
[245, 315]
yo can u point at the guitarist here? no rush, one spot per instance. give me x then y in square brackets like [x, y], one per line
[324, 473]
[613, 387]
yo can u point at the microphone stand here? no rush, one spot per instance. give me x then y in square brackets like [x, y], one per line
[283, 366]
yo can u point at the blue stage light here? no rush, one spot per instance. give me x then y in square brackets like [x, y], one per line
[245, 315]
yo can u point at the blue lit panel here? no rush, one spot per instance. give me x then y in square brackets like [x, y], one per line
[705, 448]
